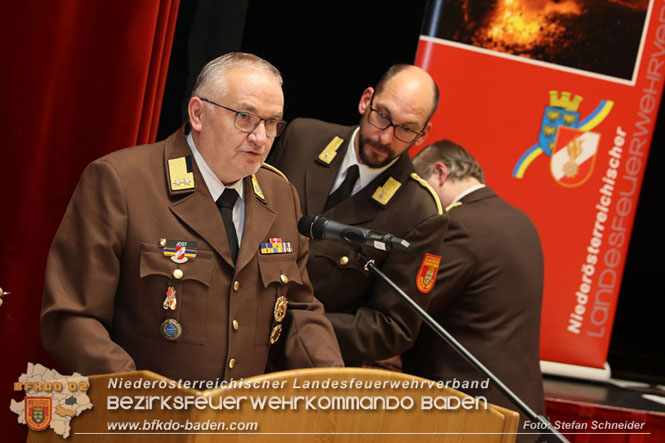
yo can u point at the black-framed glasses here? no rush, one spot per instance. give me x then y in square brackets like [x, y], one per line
[248, 122]
[381, 121]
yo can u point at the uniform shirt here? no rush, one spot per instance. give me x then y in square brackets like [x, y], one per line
[216, 187]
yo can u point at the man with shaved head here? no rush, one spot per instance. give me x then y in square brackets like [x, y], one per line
[362, 176]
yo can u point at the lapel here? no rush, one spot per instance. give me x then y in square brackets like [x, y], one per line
[259, 218]
[196, 208]
[361, 207]
[320, 177]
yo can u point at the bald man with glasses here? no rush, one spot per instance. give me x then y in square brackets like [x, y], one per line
[183, 257]
[362, 176]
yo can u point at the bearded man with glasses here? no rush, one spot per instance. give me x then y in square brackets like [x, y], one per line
[193, 266]
[362, 175]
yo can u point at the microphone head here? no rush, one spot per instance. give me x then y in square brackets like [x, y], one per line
[305, 225]
[311, 226]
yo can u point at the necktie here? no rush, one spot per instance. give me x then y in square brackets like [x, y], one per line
[344, 190]
[225, 203]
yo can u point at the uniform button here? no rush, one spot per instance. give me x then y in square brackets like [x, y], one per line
[284, 278]
[344, 260]
[232, 363]
[177, 274]
[236, 285]
[236, 325]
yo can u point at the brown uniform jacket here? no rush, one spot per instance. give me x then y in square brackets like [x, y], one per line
[371, 322]
[488, 296]
[107, 276]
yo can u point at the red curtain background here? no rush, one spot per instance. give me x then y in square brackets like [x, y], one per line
[78, 79]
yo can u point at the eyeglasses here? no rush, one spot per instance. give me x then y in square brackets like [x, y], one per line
[381, 121]
[248, 122]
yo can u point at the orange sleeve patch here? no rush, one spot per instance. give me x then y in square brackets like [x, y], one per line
[427, 273]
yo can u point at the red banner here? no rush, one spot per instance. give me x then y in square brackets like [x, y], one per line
[557, 100]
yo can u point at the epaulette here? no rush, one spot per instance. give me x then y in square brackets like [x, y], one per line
[453, 205]
[275, 170]
[422, 182]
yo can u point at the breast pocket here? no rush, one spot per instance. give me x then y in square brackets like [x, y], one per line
[190, 281]
[278, 277]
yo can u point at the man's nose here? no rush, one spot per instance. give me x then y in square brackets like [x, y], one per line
[259, 136]
[386, 135]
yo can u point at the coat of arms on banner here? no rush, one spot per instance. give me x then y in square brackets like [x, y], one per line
[38, 412]
[574, 156]
[567, 138]
[562, 112]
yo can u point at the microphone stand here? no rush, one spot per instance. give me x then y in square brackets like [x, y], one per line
[369, 265]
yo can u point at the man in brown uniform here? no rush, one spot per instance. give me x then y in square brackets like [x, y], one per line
[362, 176]
[144, 272]
[489, 287]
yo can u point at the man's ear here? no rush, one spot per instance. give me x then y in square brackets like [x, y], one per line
[195, 112]
[441, 172]
[423, 135]
[365, 99]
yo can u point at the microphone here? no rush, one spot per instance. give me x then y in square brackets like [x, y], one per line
[320, 228]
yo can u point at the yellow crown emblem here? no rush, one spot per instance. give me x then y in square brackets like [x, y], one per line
[564, 100]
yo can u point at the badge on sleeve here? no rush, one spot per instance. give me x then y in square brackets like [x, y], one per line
[427, 273]
[179, 250]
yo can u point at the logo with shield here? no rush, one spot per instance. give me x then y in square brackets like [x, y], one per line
[574, 156]
[38, 412]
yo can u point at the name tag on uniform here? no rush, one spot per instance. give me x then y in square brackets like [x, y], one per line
[179, 250]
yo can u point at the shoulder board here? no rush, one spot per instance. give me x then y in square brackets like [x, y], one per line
[275, 170]
[422, 182]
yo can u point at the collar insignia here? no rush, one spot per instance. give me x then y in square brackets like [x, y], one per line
[384, 193]
[181, 174]
[329, 152]
[257, 189]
